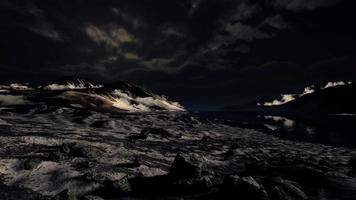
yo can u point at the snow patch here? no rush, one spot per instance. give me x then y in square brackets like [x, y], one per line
[284, 99]
[288, 123]
[19, 86]
[335, 84]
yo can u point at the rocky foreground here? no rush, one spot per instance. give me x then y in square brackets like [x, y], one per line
[62, 153]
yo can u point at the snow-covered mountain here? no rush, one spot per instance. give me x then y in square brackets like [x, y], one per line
[86, 94]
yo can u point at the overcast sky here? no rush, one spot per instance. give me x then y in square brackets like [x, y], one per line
[204, 53]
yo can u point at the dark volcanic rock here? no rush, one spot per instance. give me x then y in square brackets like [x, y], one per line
[31, 163]
[135, 163]
[352, 163]
[113, 189]
[72, 149]
[16, 193]
[123, 185]
[163, 186]
[92, 197]
[309, 174]
[99, 124]
[187, 166]
[80, 163]
[184, 179]
[231, 182]
[53, 156]
[64, 195]
[155, 131]
[65, 151]
[228, 154]
[285, 190]
[150, 131]
[243, 188]
[141, 136]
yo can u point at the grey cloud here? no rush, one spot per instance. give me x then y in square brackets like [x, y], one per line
[161, 64]
[234, 32]
[300, 5]
[39, 23]
[46, 31]
[113, 37]
[172, 32]
[194, 6]
[242, 48]
[239, 31]
[131, 56]
[275, 21]
[134, 21]
[244, 11]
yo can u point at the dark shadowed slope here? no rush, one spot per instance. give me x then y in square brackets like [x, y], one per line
[332, 100]
[341, 99]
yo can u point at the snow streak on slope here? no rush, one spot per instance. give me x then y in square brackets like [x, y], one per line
[285, 98]
[334, 84]
[144, 103]
[79, 84]
[120, 101]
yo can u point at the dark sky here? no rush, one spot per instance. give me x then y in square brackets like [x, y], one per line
[204, 53]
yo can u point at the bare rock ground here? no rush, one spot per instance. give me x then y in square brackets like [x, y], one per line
[64, 153]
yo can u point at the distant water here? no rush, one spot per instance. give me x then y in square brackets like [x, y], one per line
[335, 130]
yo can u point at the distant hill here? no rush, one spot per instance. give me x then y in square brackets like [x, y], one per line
[81, 93]
[332, 100]
[340, 99]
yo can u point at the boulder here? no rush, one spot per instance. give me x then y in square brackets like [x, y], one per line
[112, 189]
[31, 163]
[123, 185]
[80, 163]
[187, 166]
[72, 149]
[231, 182]
[100, 124]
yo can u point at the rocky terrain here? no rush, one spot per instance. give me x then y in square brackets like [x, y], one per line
[49, 152]
[81, 141]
